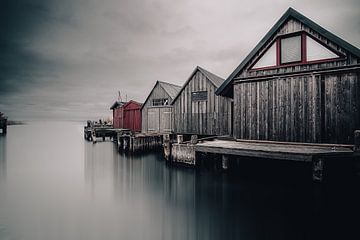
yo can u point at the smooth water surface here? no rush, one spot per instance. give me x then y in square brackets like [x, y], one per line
[56, 185]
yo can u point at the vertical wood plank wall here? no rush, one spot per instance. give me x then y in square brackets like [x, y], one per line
[160, 122]
[309, 108]
[210, 117]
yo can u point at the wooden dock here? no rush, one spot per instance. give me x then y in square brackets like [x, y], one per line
[229, 149]
[126, 140]
[94, 132]
[138, 142]
[275, 150]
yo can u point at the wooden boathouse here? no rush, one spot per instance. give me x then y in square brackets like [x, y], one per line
[132, 116]
[157, 113]
[118, 113]
[197, 110]
[299, 84]
[296, 97]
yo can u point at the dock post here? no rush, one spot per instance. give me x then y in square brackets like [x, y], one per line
[318, 169]
[194, 139]
[225, 162]
[5, 127]
[93, 136]
[167, 146]
[180, 138]
[118, 139]
[125, 143]
[131, 144]
[357, 141]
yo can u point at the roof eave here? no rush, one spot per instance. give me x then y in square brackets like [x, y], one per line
[224, 88]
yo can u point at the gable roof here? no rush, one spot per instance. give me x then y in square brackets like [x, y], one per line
[214, 79]
[224, 88]
[116, 104]
[169, 88]
[132, 101]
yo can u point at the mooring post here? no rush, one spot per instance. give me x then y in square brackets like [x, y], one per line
[357, 141]
[131, 143]
[120, 143]
[194, 139]
[318, 169]
[225, 162]
[125, 144]
[167, 146]
[93, 136]
[180, 138]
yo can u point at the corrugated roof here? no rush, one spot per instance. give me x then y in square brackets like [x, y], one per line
[216, 80]
[224, 88]
[170, 88]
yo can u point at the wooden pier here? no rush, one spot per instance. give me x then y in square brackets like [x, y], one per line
[138, 142]
[126, 140]
[316, 154]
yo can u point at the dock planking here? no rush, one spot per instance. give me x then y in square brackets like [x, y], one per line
[274, 150]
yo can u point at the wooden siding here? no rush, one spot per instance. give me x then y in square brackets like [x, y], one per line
[210, 117]
[157, 119]
[309, 102]
[292, 26]
[309, 108]
[132, 116]
[118, 117]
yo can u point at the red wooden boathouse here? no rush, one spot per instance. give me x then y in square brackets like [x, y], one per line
[132, 116]
[117, 109]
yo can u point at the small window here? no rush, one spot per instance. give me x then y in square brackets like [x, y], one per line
[160, 101]
[268, 59]
[291, 49]
[199, 96]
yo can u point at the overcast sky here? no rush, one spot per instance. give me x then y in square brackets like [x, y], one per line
[66, 59]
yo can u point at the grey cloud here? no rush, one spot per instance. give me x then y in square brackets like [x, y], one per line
[68, 58]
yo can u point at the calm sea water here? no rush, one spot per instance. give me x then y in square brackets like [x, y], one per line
[55, 185]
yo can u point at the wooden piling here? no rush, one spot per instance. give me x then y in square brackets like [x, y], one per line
[125, 144]
[180, 138]
[357, 141]
[167, 146]
[318, 169]
[225, 162]
[93, 136]
[194, 139]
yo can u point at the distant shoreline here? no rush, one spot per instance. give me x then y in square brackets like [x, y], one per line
[10, 122]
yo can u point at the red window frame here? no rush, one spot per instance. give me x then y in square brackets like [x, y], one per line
[303, 60]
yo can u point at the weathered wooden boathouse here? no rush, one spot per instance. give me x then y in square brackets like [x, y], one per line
[296, 97]
[197, 110]
[118, 112]
[299, 84]
[127, 115]
[132, 116]
[157, 113]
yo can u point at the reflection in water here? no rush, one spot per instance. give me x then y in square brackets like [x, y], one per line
[168, 202]
[2, 158]
[68, 188]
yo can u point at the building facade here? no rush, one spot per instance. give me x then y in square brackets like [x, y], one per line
[299, 84]
[197, 110]
[157, 115]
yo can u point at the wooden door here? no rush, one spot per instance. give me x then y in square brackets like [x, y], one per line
[153, 120]
[166, 120]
